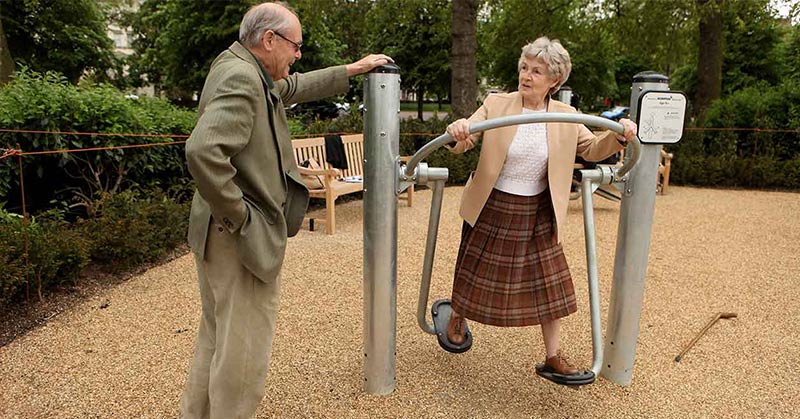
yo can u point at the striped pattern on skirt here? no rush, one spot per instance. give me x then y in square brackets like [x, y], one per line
[511, 270]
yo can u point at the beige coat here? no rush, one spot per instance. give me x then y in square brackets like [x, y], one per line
[564, 142]
[240, 156]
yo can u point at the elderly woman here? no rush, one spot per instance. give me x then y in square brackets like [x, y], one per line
[511, 269]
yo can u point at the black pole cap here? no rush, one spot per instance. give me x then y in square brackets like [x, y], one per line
[650, 77]
[390, 68]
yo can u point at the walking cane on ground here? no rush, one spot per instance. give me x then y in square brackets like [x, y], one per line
[720, 315]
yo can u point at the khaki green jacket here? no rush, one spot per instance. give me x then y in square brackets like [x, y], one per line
[564, 141]
[240, 156]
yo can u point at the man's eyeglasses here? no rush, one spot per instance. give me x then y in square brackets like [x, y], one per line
[297, 45]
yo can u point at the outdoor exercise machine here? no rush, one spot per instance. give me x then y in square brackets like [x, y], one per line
[660, 115]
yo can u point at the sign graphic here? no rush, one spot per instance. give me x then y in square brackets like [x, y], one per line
[661, 117]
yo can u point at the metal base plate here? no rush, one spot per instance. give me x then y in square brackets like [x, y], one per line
[440, 313]
[582, 378]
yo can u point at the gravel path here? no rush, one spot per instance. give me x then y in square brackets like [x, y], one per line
[125, 353]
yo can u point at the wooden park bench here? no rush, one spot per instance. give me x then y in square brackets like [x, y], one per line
[664, 165]
[333, 183]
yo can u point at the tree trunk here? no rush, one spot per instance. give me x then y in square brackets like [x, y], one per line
[6, 63]
[420, 102]
[464, 81]
[709, 60]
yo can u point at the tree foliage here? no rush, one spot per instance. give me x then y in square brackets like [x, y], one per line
[509, 25]
[322, 45]
[176, 41]
[647, 35]
[416, 33]
[610, 41]
[656, 32]
[67, 36]
[348, 22]
[791, 54]
[752, 37]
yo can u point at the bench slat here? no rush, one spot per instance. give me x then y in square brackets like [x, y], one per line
[306, 148]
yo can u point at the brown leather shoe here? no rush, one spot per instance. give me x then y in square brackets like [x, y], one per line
[456, 328]
[558, 364]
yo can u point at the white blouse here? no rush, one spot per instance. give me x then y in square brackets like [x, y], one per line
[525, 169]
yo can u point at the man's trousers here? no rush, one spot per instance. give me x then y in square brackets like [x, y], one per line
[234, 341]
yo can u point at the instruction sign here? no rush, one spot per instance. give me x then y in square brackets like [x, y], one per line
[661, 117]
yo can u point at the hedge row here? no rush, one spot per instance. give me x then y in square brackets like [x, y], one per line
[34, 102]
[745, 158]
[56, 255]
[129, 229]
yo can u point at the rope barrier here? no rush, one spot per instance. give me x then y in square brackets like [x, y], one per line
[25, 222]
[9, 152]
[402, 134]
[742, 129]
[93, 134]
[301, 136]
[76, 150]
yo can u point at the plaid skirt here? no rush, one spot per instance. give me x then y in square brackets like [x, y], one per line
[511, 270]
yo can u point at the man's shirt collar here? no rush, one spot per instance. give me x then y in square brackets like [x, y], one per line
[270, 83]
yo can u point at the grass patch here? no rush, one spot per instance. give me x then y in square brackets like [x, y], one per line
[428, 107]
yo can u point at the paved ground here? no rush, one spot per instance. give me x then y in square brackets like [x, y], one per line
[712, 250]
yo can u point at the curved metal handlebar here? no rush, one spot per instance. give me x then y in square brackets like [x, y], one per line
[505, 121]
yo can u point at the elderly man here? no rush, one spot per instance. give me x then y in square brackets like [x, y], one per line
[249, 199]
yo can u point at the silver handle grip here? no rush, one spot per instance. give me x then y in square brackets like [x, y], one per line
[505, 121]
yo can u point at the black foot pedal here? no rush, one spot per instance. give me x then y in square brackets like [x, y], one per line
[608, 193]
[581, 378]
[440, 313]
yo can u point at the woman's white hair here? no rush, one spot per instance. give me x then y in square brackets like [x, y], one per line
[261, 18]
[554, 56]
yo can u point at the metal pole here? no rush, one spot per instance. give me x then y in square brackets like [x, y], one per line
[592, 271]
[430, 251]
[633, 248]
[381, 157]
[437, 177]
[565, 95]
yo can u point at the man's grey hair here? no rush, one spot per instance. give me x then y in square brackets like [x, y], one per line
[261, 18]
[554, 56]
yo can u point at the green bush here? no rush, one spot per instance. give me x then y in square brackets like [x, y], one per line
[130, 228]
[56, 254]
[118, 230]
[745, 158]
[12, 265]
[133, 228]
[47, 102]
